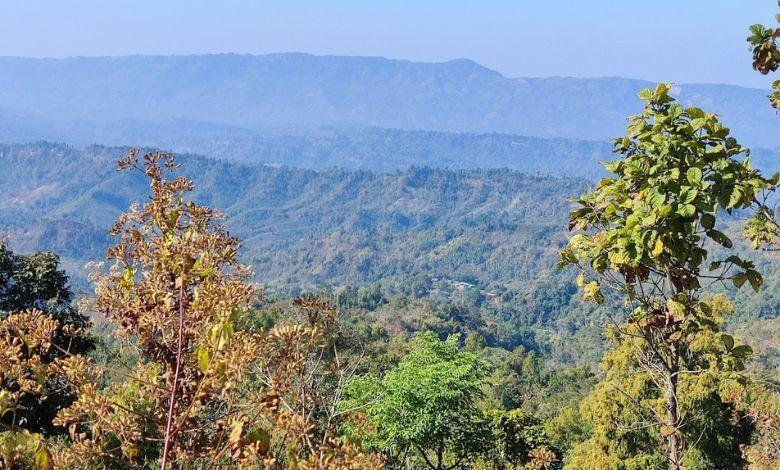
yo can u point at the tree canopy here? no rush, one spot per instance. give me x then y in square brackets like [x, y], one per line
[646, 233]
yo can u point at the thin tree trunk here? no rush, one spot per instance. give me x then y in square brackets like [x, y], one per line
[674, 442]
[171, 404]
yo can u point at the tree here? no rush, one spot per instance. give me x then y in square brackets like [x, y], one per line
[31, 359]
[36, 281]
[176, 294]
[766, 59]
[760, 405]
[645, 234]
[308, 368]
[519, 378]
[425, 406]
[34, 287]
[519, 441]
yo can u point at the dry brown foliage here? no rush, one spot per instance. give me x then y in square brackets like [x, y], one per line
[206, 390]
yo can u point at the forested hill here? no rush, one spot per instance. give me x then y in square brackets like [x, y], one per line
[385, 150]
[302, 227]
[375, 149]
[232, 94]
[484, 238]
[358, 149]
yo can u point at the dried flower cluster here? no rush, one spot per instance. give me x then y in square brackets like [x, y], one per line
[766, 55]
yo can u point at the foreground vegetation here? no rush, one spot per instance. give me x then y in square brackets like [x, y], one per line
[188, 374]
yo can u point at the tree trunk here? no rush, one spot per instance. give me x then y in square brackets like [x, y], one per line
[674, 444]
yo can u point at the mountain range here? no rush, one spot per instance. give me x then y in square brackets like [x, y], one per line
[229, 102]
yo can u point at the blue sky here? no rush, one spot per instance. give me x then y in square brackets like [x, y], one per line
[683, 40]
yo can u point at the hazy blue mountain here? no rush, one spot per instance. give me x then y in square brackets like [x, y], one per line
[373, 149]
[232, 94]
[366, 149]
[391, 149]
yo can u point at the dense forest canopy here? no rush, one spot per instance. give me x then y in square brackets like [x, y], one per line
[483, 239]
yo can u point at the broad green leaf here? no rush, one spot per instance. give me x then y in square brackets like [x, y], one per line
[734, 198]
[698, 123]
[755, 279]
[708, 221]
[720, 238]
[612, 166]
[743, 351]
[734, 259]
[694, 176]
[686, 210]
[728, 341]
[655, 198]
[645, 94]
[694, 112]
[714, 265]
[592, 292]
[739, 280]
[658, 248]
[42, 460]
[204, 358]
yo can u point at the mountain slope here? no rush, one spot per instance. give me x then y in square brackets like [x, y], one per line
[302, 227]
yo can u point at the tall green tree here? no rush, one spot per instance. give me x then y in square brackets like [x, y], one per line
[645, 232]
[762, 403]
[766, 60]
[520, 441]
[426, 406]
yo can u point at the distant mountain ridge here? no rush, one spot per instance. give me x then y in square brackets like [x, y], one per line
[301, 92]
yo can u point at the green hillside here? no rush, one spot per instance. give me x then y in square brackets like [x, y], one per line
[483, 239]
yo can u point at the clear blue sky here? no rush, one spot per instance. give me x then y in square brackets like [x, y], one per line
[679, 40]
